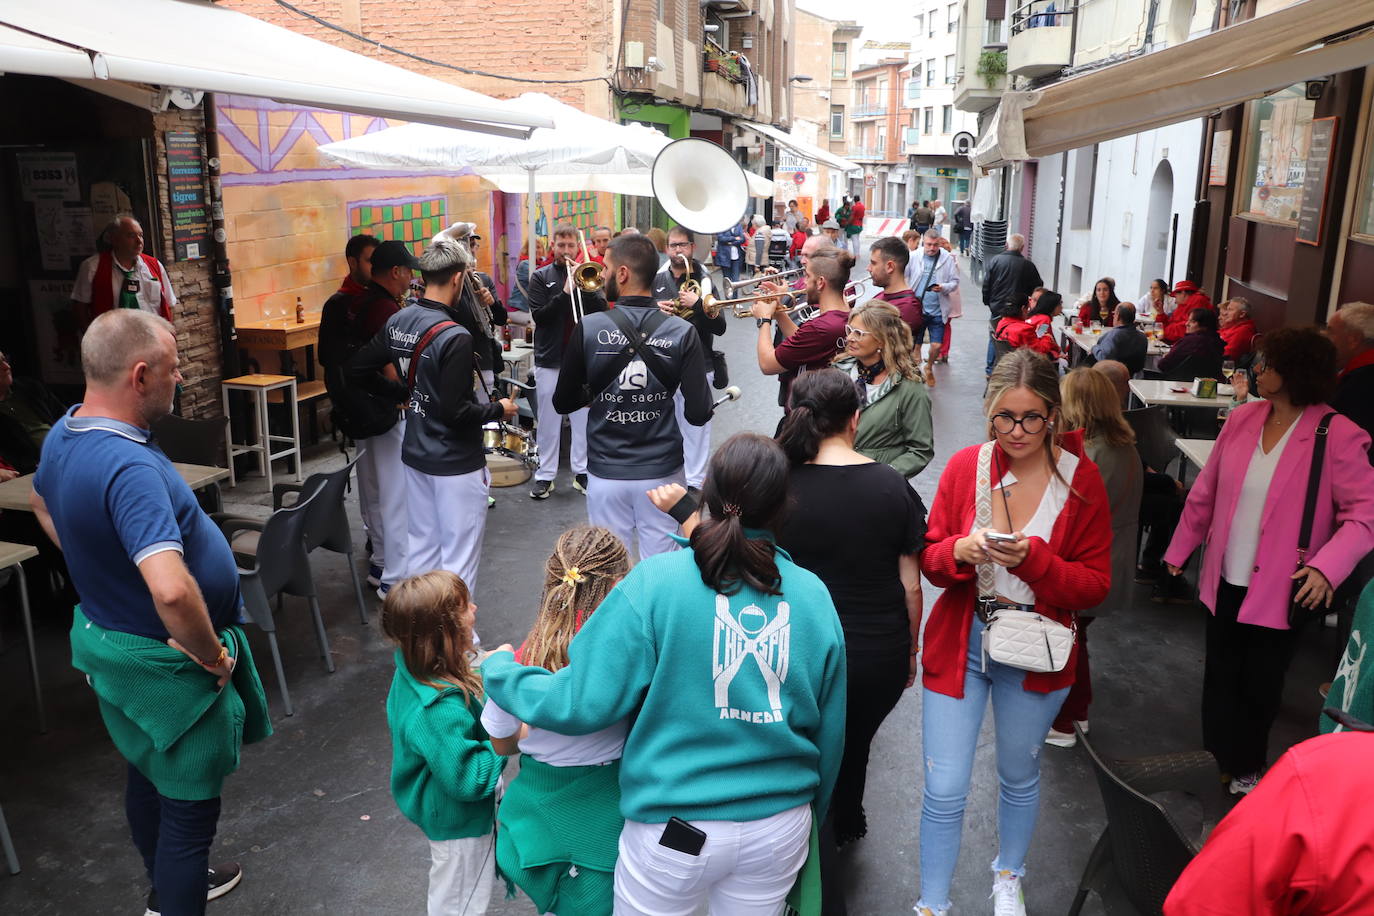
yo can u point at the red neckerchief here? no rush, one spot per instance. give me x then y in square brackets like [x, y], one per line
[1359, 361]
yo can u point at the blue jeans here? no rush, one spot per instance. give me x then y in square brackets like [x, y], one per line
[949, 732]
[174, 838]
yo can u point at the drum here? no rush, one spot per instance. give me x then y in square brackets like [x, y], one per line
[506, 471]
[492, 436]
[510, 453]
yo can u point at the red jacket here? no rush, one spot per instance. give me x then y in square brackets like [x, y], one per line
[1091, 311]
[1239, 337]
[1040, 336]
[1073, 570]
[798, 240]
[1176, 325]
[1301, 842]
[856, 214]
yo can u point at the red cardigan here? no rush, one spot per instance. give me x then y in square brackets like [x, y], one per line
[1074, 570]
[1176, 325]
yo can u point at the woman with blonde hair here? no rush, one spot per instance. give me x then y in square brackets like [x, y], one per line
[1019, 523]
[660, 240]
[564, 779]
[1091, 404]
[894, 404]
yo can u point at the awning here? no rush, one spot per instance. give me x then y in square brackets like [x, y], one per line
[21, 52]
[191, 44]
[802, 148]
[1232, 65]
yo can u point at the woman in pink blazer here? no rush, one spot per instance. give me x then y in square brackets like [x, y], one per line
[1247, 507]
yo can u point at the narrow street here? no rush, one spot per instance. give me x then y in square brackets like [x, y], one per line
[310, 815]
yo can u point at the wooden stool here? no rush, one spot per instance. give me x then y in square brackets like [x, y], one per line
[259, 385]
[12, 556]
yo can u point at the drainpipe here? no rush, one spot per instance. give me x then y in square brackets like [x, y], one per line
[223, 280]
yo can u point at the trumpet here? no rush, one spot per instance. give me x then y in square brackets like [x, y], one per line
[740, 306]
[731, 288]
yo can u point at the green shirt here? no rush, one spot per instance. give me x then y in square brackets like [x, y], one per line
[443, 769]
[738, 701]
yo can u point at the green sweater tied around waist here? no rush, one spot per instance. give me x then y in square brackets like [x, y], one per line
[164, 712]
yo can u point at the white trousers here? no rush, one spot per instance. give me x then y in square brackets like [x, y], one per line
[696, 440]
[462, 874]
[746, 868]
[382, 497]
[448, 516]
[624, 507]
[550, 431]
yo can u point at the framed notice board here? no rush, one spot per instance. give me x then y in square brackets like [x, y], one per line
[186, 196]
[1315, 180]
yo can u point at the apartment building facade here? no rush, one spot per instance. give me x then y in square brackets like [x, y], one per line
[933, 129]
[822, 104]
[1225, 142]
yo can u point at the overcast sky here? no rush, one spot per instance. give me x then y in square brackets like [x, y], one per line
[868, 13]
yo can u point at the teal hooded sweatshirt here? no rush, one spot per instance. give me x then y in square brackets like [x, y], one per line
[443, 769]
[738, 701]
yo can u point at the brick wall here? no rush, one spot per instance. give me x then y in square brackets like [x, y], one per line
[195, 316]
[495, 36]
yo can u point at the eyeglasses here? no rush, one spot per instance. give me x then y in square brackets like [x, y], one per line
[860, 333]
[679, 244]
[1031, 423]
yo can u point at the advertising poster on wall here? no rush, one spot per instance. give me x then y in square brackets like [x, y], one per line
[58, 336]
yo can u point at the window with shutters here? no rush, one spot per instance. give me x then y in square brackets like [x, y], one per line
[837, 121]
[930, 72]
[947, 119]
[839, 59]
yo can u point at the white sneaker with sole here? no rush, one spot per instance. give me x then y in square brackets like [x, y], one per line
[1244, 785]
[1007, 899]
[1061, 739]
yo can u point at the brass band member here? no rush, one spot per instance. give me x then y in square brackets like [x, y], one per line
[815, 343]
[681, 266]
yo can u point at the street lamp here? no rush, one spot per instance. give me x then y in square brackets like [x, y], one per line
[800, 78]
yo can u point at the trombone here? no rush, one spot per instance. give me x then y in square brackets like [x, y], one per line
[731, 288]
[587, 277]
[740, 306]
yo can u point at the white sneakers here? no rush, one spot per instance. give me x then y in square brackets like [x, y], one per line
[1007, 899]
[1244, 785]
[1065, 739]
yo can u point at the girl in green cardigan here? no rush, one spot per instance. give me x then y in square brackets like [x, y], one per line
[894, 403]
[443, 770]
[560, 819]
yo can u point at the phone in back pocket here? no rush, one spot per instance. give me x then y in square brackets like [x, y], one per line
[682, 837]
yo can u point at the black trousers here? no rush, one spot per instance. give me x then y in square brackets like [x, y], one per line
[1160, 508]
[1242, 685]
[875, 684]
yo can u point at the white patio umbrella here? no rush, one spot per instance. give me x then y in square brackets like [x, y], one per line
[581, 153]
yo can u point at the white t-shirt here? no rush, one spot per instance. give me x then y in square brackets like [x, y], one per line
[554, 749]
[149, 290]
[1242, 546]
[1041, 524]
[940, 216]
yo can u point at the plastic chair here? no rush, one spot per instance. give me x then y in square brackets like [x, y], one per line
[280, 566]
[1143, 850]
[327, 526]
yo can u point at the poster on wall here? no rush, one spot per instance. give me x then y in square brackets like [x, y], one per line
[48, 176]
[55, 326]
[1315, 180]
[1221, 159]
[186, 193]
[64, 233]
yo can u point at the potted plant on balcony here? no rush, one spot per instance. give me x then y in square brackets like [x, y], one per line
[992, 65]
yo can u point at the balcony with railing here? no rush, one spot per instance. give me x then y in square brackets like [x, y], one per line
[1041, 40]
[868, 110]
[868, 153]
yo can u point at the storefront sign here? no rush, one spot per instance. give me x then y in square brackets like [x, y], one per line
[186, 190]
[789, 161]
[48, 176]
[1221, 159]
[64, 234]
[1315, 180]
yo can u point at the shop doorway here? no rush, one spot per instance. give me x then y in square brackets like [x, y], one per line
[1155, 261]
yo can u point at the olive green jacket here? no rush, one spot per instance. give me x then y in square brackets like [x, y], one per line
[895, 428]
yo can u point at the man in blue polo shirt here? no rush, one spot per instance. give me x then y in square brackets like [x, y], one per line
[158, 586]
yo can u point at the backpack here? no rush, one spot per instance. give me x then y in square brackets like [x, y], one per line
[355, 413]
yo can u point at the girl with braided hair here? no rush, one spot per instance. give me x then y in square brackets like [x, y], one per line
[560, 819]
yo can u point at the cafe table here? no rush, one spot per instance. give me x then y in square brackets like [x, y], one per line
[14, 494]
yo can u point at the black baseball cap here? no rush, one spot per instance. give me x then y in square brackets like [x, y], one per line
[393, 254]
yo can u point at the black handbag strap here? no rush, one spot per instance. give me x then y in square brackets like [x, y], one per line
[637, 346]
[1314, 479]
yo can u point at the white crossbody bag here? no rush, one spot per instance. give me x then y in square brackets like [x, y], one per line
[1012, 636]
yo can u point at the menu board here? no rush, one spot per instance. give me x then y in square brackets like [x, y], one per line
[1315, 180]
[186, 195]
